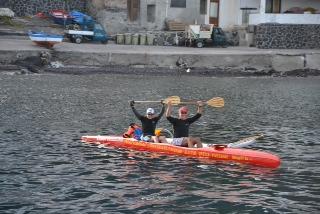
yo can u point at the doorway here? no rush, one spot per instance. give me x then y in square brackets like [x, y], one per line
[214, 12]
[133, 9]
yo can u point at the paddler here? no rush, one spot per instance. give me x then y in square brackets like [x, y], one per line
[149, 123]
[181, 126]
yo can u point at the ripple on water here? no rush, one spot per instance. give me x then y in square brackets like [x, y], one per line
[46, 169]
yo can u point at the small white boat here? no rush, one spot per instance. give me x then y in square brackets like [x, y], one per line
[44, 39]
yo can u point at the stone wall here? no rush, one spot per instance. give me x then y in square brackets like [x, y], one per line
[31, 7]
[4, 3]
[287, 36]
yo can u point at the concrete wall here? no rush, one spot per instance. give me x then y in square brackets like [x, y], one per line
[230, 14]
[190, 14]
[161, 11]
[164, 11]
[112, 14]
[256, 19]
[300, 64]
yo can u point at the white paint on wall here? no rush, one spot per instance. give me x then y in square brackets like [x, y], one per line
[256, 19]
[229, 14]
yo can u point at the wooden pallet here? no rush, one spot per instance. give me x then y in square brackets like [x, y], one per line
[176, 26]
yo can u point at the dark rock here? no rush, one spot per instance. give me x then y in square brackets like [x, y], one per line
[290, 36]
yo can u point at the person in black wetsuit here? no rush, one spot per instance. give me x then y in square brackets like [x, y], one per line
[149, 123]
[181, 126]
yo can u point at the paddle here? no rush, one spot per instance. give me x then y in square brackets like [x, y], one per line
[217, 102]
[175, 100]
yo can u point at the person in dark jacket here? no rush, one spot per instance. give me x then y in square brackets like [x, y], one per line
[149, 123]
[181, 126]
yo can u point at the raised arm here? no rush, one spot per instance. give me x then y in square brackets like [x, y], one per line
[139, 116]
[200, 107]
[162, 109]
[169, 109]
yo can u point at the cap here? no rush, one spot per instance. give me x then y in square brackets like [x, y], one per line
[150, 111]
[183, 109]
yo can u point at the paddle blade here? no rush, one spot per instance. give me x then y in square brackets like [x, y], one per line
[175, 100]
[217, 102]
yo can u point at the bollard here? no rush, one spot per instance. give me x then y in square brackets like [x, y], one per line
[127, 39]
[120, 39]
[150, 38]
[135, 39]
[142, 38]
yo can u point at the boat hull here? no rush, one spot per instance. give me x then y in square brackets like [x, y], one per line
[245, 156]
[45, 40]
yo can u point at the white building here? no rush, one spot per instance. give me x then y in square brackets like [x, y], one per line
[227, 13]
[305, 12]
[253, 12]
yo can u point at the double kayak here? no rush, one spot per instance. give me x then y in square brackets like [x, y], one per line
[221, 152]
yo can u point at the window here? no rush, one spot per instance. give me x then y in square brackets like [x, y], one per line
[273, 6]
[203, 7]
[151, 13]
[178, 3]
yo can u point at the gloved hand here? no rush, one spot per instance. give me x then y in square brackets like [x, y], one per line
[162, 102]
[131, 103]
[200, 103]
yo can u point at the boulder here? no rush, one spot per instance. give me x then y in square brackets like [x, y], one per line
[6, 12]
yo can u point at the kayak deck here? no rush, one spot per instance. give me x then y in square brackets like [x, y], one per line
[245, 156]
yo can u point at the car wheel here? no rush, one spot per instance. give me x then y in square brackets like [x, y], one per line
[199, 44]
[78, 40]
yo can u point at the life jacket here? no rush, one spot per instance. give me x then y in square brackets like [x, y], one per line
[134, 131]
[163, 132]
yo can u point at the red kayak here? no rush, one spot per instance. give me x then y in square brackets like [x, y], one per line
[215, 152]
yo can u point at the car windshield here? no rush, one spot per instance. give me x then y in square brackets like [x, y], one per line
[98, 27]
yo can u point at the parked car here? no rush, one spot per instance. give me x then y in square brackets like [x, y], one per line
[206, 35]
[96, 33]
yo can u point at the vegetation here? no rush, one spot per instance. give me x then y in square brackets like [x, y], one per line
[6, 20]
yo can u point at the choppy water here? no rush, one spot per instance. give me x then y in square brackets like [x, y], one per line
[44, 168]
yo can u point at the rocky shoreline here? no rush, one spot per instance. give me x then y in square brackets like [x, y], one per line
[20, 69]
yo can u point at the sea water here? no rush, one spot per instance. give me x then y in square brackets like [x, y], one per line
[45, 168]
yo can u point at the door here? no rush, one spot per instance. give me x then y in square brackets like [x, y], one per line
[214, 12]
[133, 9]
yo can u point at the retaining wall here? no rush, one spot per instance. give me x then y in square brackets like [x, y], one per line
[31, 7]
[218, 64]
